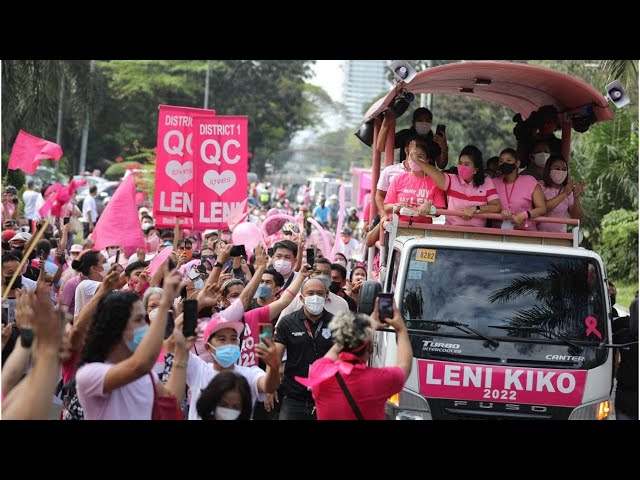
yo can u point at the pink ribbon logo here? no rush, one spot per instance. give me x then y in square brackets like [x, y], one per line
[592, 324]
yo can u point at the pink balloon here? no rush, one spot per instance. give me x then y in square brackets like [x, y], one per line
[247, 234]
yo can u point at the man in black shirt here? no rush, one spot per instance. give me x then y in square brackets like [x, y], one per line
[338, 282]
[625, 330]
[306, 337]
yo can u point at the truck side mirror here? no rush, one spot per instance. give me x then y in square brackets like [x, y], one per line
[368, 293]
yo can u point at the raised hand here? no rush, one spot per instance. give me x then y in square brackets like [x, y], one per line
[579, 188]
[261, 257]
[268, 353]
[225, 253]
[178, 339]
[171, 285]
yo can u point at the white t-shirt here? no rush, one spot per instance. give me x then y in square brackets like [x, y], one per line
[389, 173]
[85, 291]
[133, 401]
[200, 373]
[350, 249]
[89, 205]
[30, 199]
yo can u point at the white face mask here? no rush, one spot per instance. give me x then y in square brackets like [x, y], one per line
[223, 413]
[153, 314]
[146, 225]
[423, 128]
[112, 252]
[315, 304]
[106, 266]
[540, 158]
[282, 266]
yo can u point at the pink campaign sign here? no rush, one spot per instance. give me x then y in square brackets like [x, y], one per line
[221, 165]
[173, 193]
[169, 221]
[468, 381]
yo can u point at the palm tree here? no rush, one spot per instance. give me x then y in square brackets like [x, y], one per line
[624, 70]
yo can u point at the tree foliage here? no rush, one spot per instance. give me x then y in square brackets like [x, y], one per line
[620, 244]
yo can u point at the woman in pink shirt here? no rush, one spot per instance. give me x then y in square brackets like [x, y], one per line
[561, 195]
[520, 195]
[414, 190]
[369, 387]
[469, 192]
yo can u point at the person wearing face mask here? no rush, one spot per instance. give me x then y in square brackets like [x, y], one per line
[270, 286]
[562, 195]
[349, 246]
[222, 339]
[414, 190]
[306, 337]
[469, 191]
[285, 253]
[369, 387]
[334, 304]
[521, 197]
[227, 397]
[93, 267]
[420, 127]
[114, 380]
[136, 278]
[338, 282]
[537, 160]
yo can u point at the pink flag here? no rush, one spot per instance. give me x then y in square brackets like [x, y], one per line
[159, 259]
[28, 151]
[56, 202]
[119, 223]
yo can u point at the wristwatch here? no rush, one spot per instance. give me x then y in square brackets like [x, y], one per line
[477, 208]
[218, 264]
[26, 337]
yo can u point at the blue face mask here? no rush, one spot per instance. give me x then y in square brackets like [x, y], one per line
[138, 334]
[198, 284]
[264, 291]
[227, 355]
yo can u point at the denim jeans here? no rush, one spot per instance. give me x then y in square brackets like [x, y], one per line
[297, 409]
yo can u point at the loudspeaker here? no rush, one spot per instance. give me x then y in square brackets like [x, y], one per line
[365, 134]
[617, 94]
[402, 71]
[368, 293]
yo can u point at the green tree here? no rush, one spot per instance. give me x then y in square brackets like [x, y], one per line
[620, 244]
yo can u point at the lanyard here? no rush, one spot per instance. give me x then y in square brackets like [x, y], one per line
[311, 336]
[507, 193]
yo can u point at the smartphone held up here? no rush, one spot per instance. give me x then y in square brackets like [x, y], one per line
[385, 306]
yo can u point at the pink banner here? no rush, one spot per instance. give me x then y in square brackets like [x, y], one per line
[468, 381]
[173, 193]
[169, 221]
[221, 165]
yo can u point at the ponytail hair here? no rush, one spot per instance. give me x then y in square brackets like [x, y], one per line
[87, 260]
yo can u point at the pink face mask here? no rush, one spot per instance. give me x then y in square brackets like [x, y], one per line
[465, 173]
[558, 176]
[414, 166]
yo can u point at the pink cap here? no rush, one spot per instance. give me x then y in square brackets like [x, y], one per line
[220, 323]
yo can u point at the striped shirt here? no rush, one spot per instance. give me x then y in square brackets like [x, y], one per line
[461, 195]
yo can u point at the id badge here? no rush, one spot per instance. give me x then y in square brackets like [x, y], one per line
[309, 388]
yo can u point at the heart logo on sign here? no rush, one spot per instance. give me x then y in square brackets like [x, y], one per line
[219, 182]
[178, 172]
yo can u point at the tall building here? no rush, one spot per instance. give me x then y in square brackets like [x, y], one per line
[364, 80]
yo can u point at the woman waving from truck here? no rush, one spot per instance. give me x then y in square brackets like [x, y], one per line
[561, 194]
[469, 192]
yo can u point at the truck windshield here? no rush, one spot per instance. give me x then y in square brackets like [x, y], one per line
[484, 289]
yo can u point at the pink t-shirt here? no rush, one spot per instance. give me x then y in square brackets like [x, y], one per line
[369, 387]
[517, 196]
[414, 191]
[133, 401]
[69, 292]
[561, 210]
[250, 338]
[463, 195]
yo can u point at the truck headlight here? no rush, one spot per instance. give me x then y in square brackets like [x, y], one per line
[593, 411]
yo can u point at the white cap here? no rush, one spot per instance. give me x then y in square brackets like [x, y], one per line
[209, 232]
